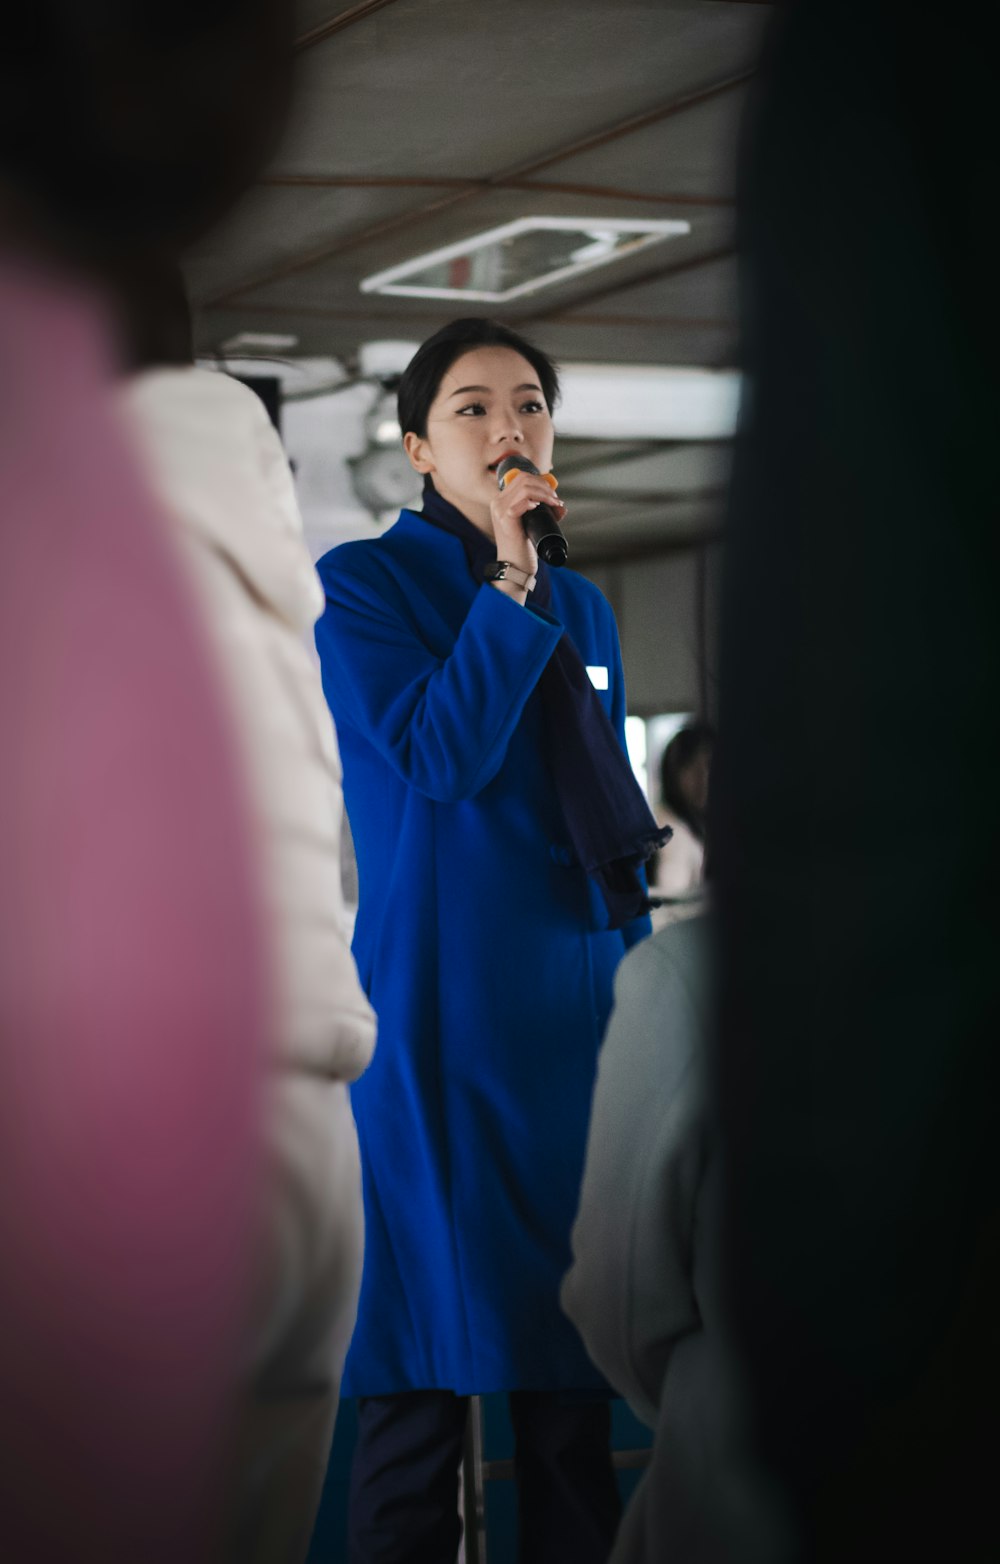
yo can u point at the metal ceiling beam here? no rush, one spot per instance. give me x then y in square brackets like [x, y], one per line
[628, 126]
[542, 186]
[615, 193]
[635, 122]
[328, 312]
[668, 322]
[336, 24]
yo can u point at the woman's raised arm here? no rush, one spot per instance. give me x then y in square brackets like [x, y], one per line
[443, 723]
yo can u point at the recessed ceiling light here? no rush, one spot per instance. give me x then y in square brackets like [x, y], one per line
[259, 341]
[521, 257]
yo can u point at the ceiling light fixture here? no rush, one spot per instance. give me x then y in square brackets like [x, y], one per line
[259, 341]
[521, 257]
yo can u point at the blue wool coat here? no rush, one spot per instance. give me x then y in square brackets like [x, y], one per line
[485, 951]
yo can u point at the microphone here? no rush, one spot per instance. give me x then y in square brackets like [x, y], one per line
[539, 524]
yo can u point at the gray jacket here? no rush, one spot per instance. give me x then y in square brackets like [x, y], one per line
[643, 1289]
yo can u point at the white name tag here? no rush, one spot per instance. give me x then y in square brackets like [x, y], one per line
[598, 677]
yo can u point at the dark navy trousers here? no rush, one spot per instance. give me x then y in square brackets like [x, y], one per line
[404, 1480]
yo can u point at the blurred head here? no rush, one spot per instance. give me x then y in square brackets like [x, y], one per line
[473, 393]
[152, 314]
[684, 769]
[130, 128]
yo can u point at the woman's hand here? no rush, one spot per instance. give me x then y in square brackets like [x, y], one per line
[507, 511]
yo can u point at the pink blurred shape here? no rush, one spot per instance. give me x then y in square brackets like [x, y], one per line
[132, 1000]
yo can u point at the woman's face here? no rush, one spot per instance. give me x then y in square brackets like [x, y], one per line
[694, 780]
[489, 405]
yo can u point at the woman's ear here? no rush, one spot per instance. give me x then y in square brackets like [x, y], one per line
[418, 451]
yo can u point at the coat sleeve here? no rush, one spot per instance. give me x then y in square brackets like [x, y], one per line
[630, 1289]
[443, 723]
[638, 928]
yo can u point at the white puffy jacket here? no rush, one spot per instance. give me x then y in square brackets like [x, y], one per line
[217, 466]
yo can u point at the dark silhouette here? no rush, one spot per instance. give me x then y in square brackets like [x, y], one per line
[857, 1057]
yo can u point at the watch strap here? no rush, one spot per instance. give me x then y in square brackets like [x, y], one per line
[503, 570]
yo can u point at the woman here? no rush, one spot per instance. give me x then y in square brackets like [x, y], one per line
[680, 869]
[644, 1287]
[484, 776]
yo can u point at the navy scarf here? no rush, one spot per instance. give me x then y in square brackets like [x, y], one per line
[609, 822]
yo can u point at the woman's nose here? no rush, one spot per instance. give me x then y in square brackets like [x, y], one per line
[508, 429]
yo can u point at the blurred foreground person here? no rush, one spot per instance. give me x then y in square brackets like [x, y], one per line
[858, 1061]
[216, 464]
[643, 1289]
[133, 994]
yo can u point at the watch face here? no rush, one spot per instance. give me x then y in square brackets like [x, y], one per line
[383, 478]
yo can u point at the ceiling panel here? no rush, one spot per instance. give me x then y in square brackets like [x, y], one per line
[460, 90]
[703, 292]
[469, 87]
[310, 14]
[408, 117]
[338, 278]
[629, 342]
[330, 333]
[274, 226]
[689, 153]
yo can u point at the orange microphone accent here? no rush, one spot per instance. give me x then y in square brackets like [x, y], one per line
[515, 472]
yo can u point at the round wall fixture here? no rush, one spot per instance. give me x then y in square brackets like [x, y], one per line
[383, 479]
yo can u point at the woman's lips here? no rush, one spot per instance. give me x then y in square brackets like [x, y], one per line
[494, 465]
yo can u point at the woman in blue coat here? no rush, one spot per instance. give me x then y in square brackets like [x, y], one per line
[499, 836]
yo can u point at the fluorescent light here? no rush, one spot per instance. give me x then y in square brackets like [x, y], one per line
[521, 257]
[647, 402]
[265, 341]
[384, 359]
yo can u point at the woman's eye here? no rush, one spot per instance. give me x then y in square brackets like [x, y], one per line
[533, 407]
[473, 410]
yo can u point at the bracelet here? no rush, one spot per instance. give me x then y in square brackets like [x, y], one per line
[503, 570]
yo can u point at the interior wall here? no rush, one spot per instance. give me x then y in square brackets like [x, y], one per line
[667, 613]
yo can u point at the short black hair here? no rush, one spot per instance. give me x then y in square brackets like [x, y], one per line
[684, 748]
[152, 313]
[421, 378]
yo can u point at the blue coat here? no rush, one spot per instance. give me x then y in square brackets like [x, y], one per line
[484, 949]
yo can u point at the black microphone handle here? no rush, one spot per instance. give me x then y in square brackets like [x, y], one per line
[541, 527]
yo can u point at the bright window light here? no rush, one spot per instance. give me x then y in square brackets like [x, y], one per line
[635, 743]
[647, 402]
[521, 257]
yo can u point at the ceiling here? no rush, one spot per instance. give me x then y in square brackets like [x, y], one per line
[421, 122]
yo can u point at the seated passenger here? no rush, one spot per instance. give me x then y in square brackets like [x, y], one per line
[678, 878]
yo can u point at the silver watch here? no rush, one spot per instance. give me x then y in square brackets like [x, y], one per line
[503, 570]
